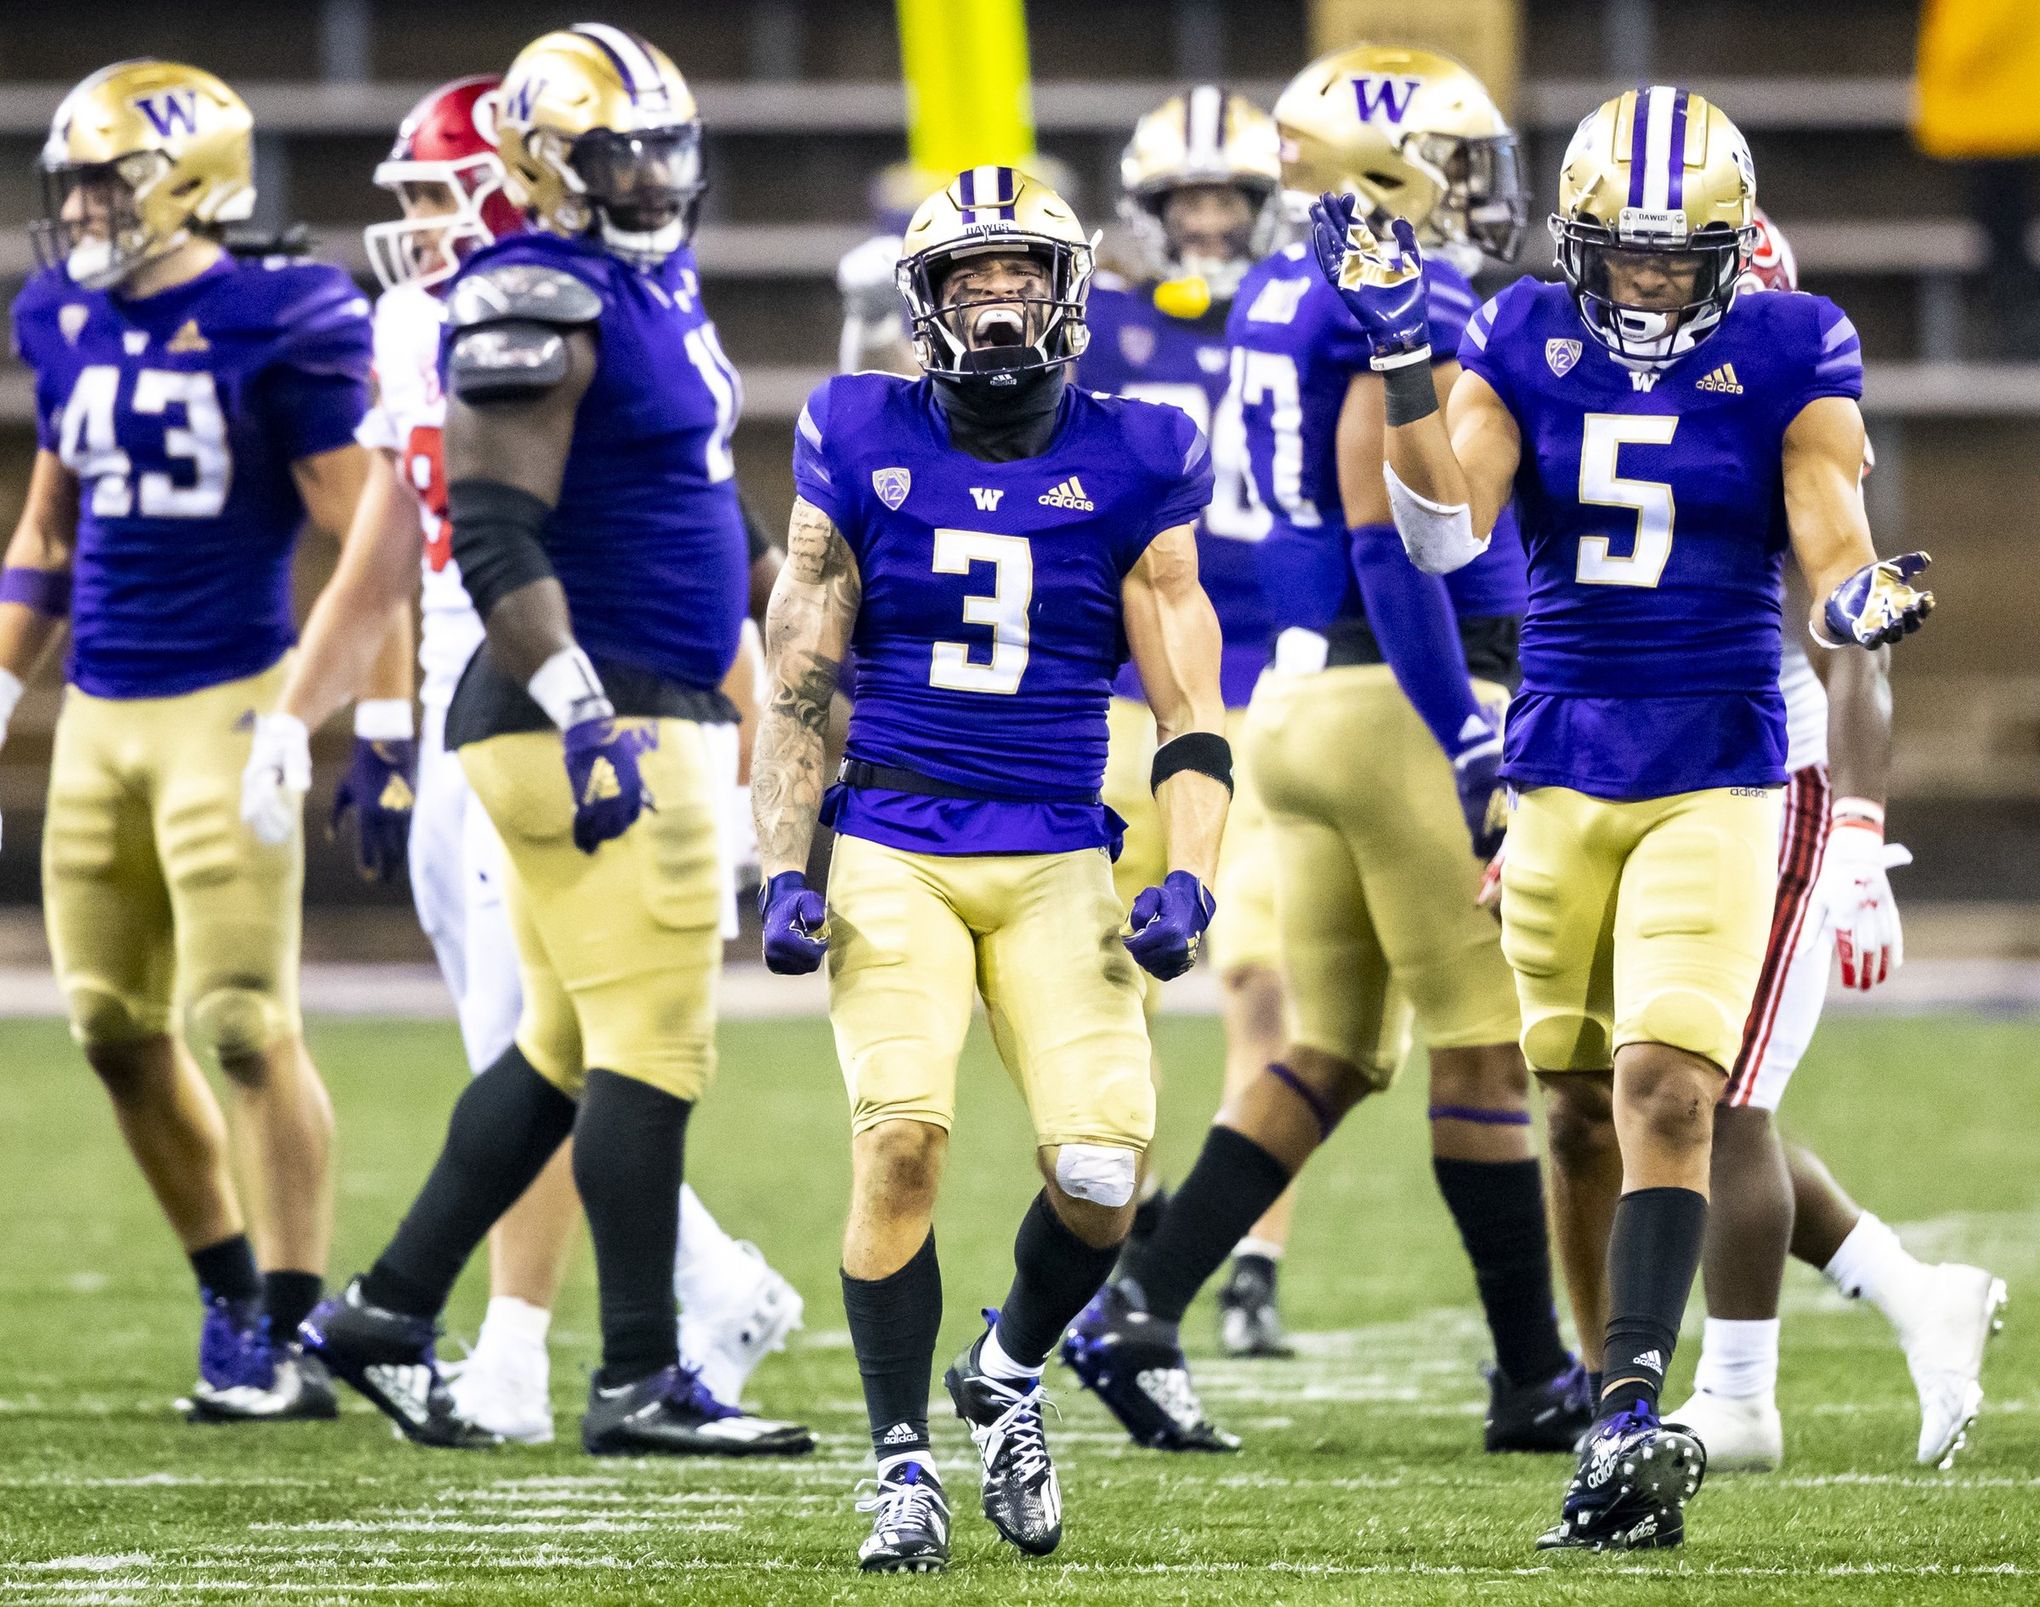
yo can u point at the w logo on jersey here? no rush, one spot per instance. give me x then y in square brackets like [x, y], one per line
[986, 497]
[170, 111]
[1384, 100]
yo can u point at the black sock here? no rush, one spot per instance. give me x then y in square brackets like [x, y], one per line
[629, 1148]
[226, 1271]
[288, 1297]
[1594, 1381]
[505, 1126]
[1653, 1252]
[1232, 1184]
[893, 1325]
[1055, 1273]
[1499, 1207]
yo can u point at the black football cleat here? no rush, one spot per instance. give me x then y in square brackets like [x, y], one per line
[1630, 1493]
[909, 1525]
[245, 1376]
[1248, 1323]
[387, 1356]
[1134, 1364]
[1021, 1494]
[1551, 1416]
[671, 1413]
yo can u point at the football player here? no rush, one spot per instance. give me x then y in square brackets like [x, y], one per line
[1376, 861]
[990, 540]
[597, 529]
[1833, 892]
[448, 179]
[1199, 194]
[193, 410]
[1666, 442]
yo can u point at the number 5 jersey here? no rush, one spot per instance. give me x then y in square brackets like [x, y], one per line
[181, 414]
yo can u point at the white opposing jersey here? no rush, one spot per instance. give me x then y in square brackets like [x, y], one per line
[409, 414]
[1806, 708]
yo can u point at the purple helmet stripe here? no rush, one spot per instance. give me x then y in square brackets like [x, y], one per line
[622, 67]
[966, 186]
[1009, 193]
[1677, 199]
[1639, 132]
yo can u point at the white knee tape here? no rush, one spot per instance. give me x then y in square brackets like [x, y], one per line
[1096, 1172]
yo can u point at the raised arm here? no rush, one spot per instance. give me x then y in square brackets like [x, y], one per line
[1173, 636]
[808, 625]
[35, 589]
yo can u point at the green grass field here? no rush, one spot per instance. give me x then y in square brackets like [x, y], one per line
[1361, 1478]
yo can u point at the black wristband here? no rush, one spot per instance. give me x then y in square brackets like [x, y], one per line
[498, 539]
[1410, 391]
[1206, 752]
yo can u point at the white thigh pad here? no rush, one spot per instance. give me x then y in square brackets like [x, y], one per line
[1100, 1173]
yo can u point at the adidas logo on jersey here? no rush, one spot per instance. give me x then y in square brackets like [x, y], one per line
[987, 497]
[188, 339]
[1722, 379]
[1070, 494]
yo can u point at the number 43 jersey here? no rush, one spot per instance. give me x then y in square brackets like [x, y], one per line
[1652, 507]
[181, 414]
[991, 624]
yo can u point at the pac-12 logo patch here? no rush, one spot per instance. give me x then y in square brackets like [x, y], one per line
[891, 485]
[1561, 355]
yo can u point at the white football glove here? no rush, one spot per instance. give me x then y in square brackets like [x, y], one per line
[278, 776]
[1855, 893]
[866, 279]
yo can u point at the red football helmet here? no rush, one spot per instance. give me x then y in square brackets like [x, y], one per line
[1772, 265]
[448, 142]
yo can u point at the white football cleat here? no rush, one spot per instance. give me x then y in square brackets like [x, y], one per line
[1740, 1434]
[1944, 1339]
[505, 1389]
[749, 1318]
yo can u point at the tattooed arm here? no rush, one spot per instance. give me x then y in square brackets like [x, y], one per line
[807, 631]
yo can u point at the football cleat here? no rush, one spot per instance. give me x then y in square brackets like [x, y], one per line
[1742, 1434]
[1630, 1493]
[1248, 1323]
[387, 1356]
[1944, 1345]
[1021, 1494]
[910, 1522]
[726, 1341]
[1548, 1416]
[244, 1377]
[1134, 1364]
[505, 1388]
[671, 1413]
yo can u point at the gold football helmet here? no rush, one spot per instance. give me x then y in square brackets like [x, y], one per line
[1655, 221]
[996, 211]
[1205, 137]
[1414, 135]
[139, 156]
[598, 133]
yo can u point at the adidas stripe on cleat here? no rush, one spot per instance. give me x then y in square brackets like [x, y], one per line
[909, 1524]
[1630, 1493]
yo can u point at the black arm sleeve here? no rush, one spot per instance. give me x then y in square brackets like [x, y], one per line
[498, 539]
[757, 543]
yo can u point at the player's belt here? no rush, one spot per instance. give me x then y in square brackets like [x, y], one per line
[1490, 640]
[891, 778]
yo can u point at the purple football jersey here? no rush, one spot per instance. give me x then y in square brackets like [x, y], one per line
[1296, 352]
[648, 536]
[1652, 505]
[991, 625]
[1138, 350]
[181, 414]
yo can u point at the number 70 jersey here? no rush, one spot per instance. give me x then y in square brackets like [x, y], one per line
[1653, 512]
[990, 625]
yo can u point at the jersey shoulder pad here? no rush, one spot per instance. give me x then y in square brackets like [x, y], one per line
[1164, 440]
[35, 313]
[522, 292]
[1502, 314]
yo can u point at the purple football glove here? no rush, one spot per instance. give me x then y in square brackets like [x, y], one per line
[602, 768]
[378, 791]
[1381, 281]
[1168, 924]
[796, 924]
[1877, 604]
[1477, 774]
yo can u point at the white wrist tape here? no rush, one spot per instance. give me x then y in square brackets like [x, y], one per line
[1102, 1174]
[1439, 539]
[568, 689]
[384, 719]
[10, 695]
[1858, 812]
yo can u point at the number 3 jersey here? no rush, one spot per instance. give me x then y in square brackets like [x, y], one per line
[991, 623]
[1138, 350]
[181, 414]
[1652, 506]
